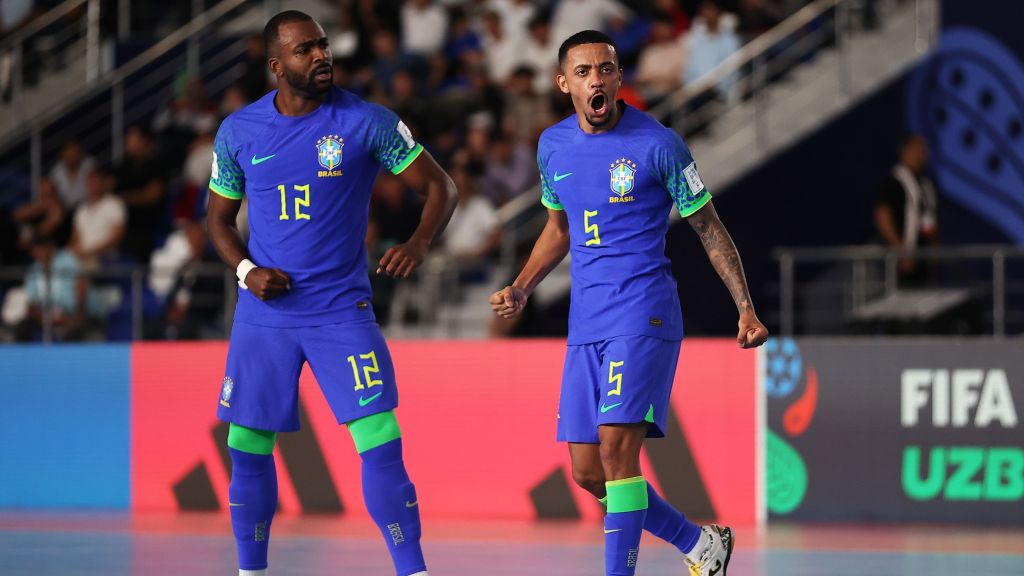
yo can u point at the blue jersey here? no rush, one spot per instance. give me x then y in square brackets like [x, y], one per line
[617, 189]
[308, 180]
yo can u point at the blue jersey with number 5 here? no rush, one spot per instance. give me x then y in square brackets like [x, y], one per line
[308, 180]
[617, 189]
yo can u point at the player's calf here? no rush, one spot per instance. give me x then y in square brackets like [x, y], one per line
[389, 494]
[252, 495]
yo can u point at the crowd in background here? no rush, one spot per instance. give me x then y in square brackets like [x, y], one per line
[474, 81]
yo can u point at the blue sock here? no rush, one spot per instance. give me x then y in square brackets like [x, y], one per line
[624, 524]
[252, 497]
[391, 500]
[666, 522]
[669, 524]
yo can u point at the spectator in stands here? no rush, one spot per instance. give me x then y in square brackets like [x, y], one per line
[474, 231]
[141, 182]
[55, 280]
[571, 16]
[527, 113]
[630, 32]
[189, 115]
[99, 222]
[234, 100]
[906, 213]
[712, 39]
[758, 16]
[541, 53]
[477, 147]
[464, 44]
[70, 172]
[502, 52]
[255, 79]
[511, 169]
[424, 27]
[409, 104]
[45, 215]
[394, 216]
[389, 59]
[192, 299]
[191, 200]
[515, 17]
[657, 72]
[671, 10]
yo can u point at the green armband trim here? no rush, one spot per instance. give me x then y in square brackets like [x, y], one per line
[222, 191]
[628, 495]
[408, 160]
[551, 205]
[374, 430]
[694, 207]
[251, 440]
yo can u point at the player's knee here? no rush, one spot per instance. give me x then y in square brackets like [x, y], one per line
[590, 480]
[619, 449]
[375, 430]
[251, 440]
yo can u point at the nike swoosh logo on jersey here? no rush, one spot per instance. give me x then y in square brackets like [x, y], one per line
[615, 530]
[559, 177]
[365, 401]
[412, 504]
[605, 408]
[256, 160]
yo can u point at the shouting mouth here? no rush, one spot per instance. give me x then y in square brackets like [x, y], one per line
[598, 105]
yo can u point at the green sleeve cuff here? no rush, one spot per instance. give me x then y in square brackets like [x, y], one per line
[689, 210]
[222, 191]
[413, 155]
[551, 205]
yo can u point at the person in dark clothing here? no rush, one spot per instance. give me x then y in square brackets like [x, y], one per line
[906, 213]
[141, 181]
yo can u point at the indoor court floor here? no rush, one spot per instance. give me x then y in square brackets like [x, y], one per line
[52, 544]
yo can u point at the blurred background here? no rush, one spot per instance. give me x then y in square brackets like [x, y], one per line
[867, 157]
[798, 113]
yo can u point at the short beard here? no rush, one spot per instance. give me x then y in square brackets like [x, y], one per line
[303, 83]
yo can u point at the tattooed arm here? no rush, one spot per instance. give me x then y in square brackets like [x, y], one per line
[726, 260]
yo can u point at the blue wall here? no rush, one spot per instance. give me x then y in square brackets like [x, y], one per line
[65, 426]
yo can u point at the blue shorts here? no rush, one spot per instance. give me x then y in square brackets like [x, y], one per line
[623, 380]
[350, 361]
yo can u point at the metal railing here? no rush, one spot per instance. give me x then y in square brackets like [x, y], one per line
[874, 273]
[130, 289]
[779, 49]
[104, 96]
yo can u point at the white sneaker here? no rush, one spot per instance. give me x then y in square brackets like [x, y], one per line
[715, 558]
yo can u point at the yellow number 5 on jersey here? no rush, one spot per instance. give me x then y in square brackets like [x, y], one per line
[590, 228]
[614, 378]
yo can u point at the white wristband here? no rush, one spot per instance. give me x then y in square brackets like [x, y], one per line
[244, 267]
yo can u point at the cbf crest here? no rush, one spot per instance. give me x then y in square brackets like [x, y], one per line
[328, 153]
[226, 388]
[623, 177]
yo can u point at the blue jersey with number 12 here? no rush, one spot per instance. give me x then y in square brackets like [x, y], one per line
[617, 189]
[308, 180]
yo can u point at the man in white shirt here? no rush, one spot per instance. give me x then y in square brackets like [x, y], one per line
[541, 53]
[571, 16]
[69, 174]
[99, 222]
[424, 27]
[502, 53]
